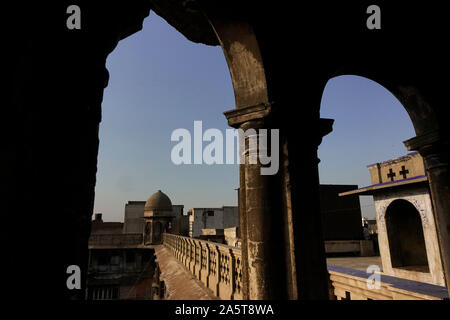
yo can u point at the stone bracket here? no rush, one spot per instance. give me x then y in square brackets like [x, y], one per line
[433, 146]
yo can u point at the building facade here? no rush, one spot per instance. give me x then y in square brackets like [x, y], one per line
[212, 218]
[160, 217]
[341, 217]
[134, 217]
[120, 273]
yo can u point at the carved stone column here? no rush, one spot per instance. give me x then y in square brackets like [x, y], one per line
[260, 230]
[434, 147]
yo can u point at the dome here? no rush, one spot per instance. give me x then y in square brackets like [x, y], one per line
[158, 201]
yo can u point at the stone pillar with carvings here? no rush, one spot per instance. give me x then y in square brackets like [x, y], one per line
[434, 147]
[307, 274]
[260, 235]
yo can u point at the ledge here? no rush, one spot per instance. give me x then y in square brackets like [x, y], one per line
[419, 290]
[369, 190]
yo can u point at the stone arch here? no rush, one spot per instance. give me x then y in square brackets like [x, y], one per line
[157, 231]
[422, 115]
[147, 232]
[422, 100]
[242, 52]
[261, 278]
[76, 125]
[244, 59]
[406, 236]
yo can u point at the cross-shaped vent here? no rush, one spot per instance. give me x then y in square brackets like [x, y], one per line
[404, 172]
[391, 174]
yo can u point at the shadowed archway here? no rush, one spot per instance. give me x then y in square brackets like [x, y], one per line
[280, 65]
[405, 236]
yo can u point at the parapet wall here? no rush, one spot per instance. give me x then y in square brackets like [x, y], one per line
[217, 266]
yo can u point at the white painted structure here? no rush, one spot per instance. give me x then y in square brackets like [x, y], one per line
[407, 236]
[212, 218]
[420, 198]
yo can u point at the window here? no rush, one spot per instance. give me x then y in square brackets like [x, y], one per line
[115, 260]
[130, 257]
[102, 259]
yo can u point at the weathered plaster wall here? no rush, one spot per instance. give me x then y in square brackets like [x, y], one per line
[133, 217]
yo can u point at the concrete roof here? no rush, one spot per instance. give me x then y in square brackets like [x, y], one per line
[369, 190]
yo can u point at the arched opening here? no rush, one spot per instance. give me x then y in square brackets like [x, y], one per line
[158, 230]
[147, 233]
[159, 82]
[370, 125]
[405, 236]
[65, 140]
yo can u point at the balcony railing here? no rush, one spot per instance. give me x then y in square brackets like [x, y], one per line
[217, 266]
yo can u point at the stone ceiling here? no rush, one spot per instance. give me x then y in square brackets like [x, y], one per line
[184, 16]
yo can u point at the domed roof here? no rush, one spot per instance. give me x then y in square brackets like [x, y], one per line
[158, 201]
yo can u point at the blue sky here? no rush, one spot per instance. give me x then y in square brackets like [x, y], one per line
[160, 81]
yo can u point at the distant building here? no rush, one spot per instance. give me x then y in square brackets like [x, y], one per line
[160, 217]
[371, 225]
[212, 218]
[134, 216]
[341, 217]
[119, 267]
[232, 237]
[98, 226]
[117, 273]
[121, 262]
[341, 222]
[407, 237]
[213, 235]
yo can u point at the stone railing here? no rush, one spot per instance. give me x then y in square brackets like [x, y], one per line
[362, 247]
[217, 266]
[115, 240]
[351, 284]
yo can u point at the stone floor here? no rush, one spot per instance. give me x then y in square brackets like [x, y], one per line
[358, 263]
[180, 283]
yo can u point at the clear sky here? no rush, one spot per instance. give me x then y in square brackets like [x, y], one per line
[160, 81]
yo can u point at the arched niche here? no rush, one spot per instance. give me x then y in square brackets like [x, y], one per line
[157, 231]
[405, 235]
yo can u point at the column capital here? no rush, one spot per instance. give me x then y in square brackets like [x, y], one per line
[433, 146]
[255, 114]
[417, 142]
